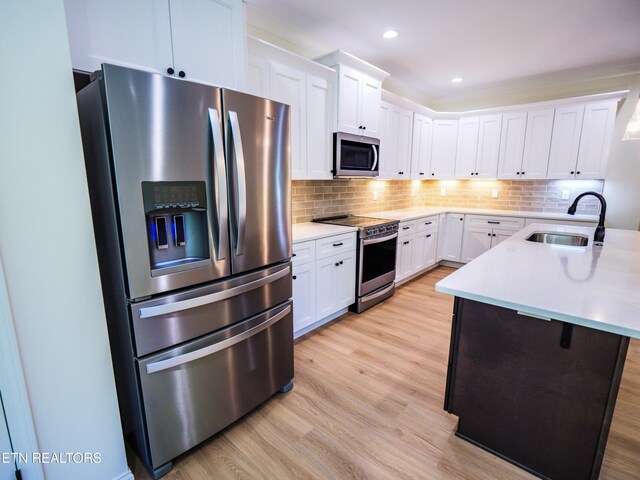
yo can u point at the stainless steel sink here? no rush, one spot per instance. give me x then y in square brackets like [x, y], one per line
[568, 239]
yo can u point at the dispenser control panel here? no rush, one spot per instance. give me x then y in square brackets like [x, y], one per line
[164, 195]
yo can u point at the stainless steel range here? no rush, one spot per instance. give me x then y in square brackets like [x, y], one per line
[377, 245]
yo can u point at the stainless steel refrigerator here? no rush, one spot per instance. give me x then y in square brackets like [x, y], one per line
[190, 194]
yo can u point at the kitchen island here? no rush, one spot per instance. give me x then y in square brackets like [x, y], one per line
[539, 338]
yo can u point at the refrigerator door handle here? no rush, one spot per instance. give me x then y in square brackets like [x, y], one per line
[216, 347]
[166, 308]
[241, 210]
[220, 170]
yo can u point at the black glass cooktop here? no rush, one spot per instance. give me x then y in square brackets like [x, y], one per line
[354, 221]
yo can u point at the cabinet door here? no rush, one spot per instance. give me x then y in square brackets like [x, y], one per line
[430, 247]
[325, 288]
[288, 85]
[388, 142]
[405, 258]
[345, 281]
[304, 295]
[595, 140]
[453, 237]
[371, 91]
[405, 127]
[500, 235]
[209, 41]
[418, 252]
[258, 76]
[475, 241]
[421, 146]
[565, 141]
[467, 148]
[132, 34]
[320, 101]
[489, 129]
[443, 149]
[349, 100]
[537, 144]
[512, 145]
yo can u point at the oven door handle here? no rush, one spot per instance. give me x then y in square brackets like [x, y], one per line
[375, 158]
[379, 240]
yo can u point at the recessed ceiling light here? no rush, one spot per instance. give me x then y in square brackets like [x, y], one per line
[390, 34]
[456, 79]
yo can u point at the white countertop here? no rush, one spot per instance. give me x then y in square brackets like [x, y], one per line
[598, 287]
[406, 214]
[303, 232]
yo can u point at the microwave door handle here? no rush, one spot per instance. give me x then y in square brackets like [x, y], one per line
[220, 197]
[161, 365]
[241, 210]
[375, 158]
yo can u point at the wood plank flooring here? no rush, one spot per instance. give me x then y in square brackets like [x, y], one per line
[367, 403]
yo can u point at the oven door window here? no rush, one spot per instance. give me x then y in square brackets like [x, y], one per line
[356, 156]
[378, 259]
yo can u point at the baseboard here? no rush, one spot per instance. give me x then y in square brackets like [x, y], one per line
[128, 475]
[449, 263]
[319, 323]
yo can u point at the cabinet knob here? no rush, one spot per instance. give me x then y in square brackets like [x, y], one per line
[572, 173]
[488, 234]
[493, 235]
[341, 262]
[577, 173]
[364, 128]
[170, 71]
[432, 174]
[462, 219]
[294, 277]
[360, 127]
[337, 264]
[181, 74]
[517, 173]
[294, 254]
[522, 173]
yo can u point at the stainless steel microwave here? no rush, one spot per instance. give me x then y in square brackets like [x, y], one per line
[355, 155]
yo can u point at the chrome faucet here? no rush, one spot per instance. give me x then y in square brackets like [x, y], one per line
[598, 236]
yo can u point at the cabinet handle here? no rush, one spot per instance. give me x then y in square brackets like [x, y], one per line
[294, 277]
[428, 235]
[405, 243]
[427, 223]
[170, 71]
[421, 173]
[493, 222]
[181, 74]
[406, 228]
[294, 254]
[338, 244]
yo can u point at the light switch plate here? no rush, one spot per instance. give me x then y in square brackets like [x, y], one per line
[494, 193]
[375, 195]
[443, 192]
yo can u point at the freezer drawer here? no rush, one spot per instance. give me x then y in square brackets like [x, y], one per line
[170, 320]
[194, 391]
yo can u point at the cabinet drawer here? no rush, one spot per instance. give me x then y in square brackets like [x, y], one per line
[511, 223]
[406, 228]
[426, 223]
[304, 252]
[325, 247]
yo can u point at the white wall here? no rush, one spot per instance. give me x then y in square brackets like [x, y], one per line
[47, 247]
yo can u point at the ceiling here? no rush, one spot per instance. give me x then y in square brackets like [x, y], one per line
[490, 43]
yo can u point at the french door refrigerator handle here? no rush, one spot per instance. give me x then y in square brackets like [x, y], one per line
[221, 191]
[242, 182]
[375, 158]
[216, 347]
[163, 309]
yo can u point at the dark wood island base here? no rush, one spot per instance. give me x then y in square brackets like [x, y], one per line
[538, 393]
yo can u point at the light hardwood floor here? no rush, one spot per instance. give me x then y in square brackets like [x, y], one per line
[367, 403]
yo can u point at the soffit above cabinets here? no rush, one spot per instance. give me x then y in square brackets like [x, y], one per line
[491, 44]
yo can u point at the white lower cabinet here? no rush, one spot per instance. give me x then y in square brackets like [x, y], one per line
[482, 233]
[417, 246]
[404, 257]
[454, 226]
[324, 280]
[304, 295]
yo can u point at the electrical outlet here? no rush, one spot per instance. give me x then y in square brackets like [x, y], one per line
[375, 195]
[494, 193]
[565, 195]
[443, 192]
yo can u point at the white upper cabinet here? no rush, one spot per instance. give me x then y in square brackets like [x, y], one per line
[443, 149]
[395, 141]
[537, 144]
[309, 90]
[288, 85]
[595, 141]
[512, 145]
[200, 40]
[565, 141]
[489, 129]
[467, 148]
[359, 93]
[421, 146]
